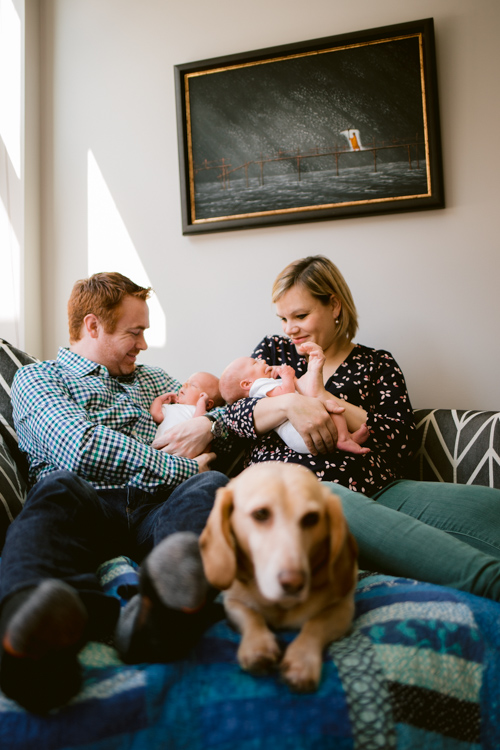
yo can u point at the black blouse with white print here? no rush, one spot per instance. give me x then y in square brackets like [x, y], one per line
[368, 378]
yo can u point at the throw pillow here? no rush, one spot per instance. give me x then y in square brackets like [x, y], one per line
[11, 359]
[12, 490]
[459, 446]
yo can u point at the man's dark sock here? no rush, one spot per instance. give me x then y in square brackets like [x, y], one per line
[43, 630]
[174, 605]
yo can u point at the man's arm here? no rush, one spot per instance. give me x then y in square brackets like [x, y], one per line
[192, 437]
[57, 433]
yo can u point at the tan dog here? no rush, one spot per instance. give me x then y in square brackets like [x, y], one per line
[278, 541]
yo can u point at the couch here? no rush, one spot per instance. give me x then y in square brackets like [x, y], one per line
[420, 668]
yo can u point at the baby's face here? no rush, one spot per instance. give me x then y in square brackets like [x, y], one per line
[192, 389]
[252, 369]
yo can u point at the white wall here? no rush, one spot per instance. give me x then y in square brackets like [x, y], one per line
[426, 283]
[11, 167]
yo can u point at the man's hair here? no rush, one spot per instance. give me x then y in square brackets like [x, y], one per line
[322, 279]
[100, 294]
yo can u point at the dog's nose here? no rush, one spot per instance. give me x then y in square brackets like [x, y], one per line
[292, 581]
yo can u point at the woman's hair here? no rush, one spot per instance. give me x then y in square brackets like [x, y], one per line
[322, 279]
[100, 294]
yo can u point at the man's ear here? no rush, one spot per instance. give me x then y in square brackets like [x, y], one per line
[91, 324]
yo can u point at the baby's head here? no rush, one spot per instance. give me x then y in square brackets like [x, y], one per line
[237, 378]
[200, 382]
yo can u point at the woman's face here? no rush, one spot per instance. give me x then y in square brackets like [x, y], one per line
[305, 318]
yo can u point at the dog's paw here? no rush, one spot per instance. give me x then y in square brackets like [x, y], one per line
[301, 671]
[259, 655]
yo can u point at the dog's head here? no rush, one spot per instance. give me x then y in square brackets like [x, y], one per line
[276, 523]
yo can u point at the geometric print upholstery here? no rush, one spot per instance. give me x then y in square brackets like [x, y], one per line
[458, 446]
[12, 490]
[11, 359]
[13, 464]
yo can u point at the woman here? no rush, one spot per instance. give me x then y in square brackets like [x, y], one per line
[315, 304]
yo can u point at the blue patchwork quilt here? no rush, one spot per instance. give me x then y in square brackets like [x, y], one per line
[420, 669]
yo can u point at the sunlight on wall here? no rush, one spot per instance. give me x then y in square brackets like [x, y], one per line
[10, 265]
[10, 169]
[110, 247]
[10, 82]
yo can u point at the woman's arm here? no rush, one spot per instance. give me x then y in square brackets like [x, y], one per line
[309, 416]
[390, 414]
[355, 416]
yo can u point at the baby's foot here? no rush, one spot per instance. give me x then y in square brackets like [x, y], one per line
[349, 446]
[311, 384]
[315, 354]
[361, 435]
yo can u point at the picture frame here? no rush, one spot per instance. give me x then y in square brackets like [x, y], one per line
[337, 127]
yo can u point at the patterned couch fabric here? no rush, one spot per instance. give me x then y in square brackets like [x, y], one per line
[458, 446]
[13, 465]
[418, 670]
[12, 490]
[11, 359]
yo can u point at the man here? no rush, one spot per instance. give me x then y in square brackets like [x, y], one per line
[99, 490]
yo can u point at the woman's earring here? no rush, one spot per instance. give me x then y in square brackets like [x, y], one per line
[336, 321]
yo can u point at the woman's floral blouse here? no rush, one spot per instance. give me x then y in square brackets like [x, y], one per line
[369, 378]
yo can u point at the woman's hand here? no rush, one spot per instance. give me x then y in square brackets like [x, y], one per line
[189, 439]
[309, 416]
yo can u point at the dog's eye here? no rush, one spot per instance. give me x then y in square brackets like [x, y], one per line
[309, 520]
[261, 514]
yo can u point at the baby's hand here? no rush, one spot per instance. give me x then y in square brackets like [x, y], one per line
[203, 400]
[155, 409]
[285, 371]
[274, 372]
[170, 398]
[203, 404]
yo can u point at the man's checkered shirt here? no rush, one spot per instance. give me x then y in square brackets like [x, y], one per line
[71, 414]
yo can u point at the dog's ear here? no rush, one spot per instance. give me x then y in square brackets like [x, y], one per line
[343, 545]
[216, 544]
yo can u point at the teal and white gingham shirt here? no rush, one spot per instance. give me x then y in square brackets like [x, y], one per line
[71, 414]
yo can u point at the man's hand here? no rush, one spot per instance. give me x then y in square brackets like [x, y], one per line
[205, 460]
[311, 419]
[189, 439]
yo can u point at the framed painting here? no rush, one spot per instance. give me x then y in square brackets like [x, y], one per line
[336, 127]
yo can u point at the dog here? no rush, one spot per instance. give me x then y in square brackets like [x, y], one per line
[277, 543]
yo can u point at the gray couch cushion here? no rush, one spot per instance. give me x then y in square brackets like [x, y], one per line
[459, 446]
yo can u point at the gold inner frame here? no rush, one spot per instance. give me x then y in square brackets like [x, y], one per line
[320, 207]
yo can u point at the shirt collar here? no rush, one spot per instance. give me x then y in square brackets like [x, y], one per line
[81, 366]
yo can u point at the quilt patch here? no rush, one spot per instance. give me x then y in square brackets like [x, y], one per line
[419, 669]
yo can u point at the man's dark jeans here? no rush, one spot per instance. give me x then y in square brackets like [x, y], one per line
[67, 529]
